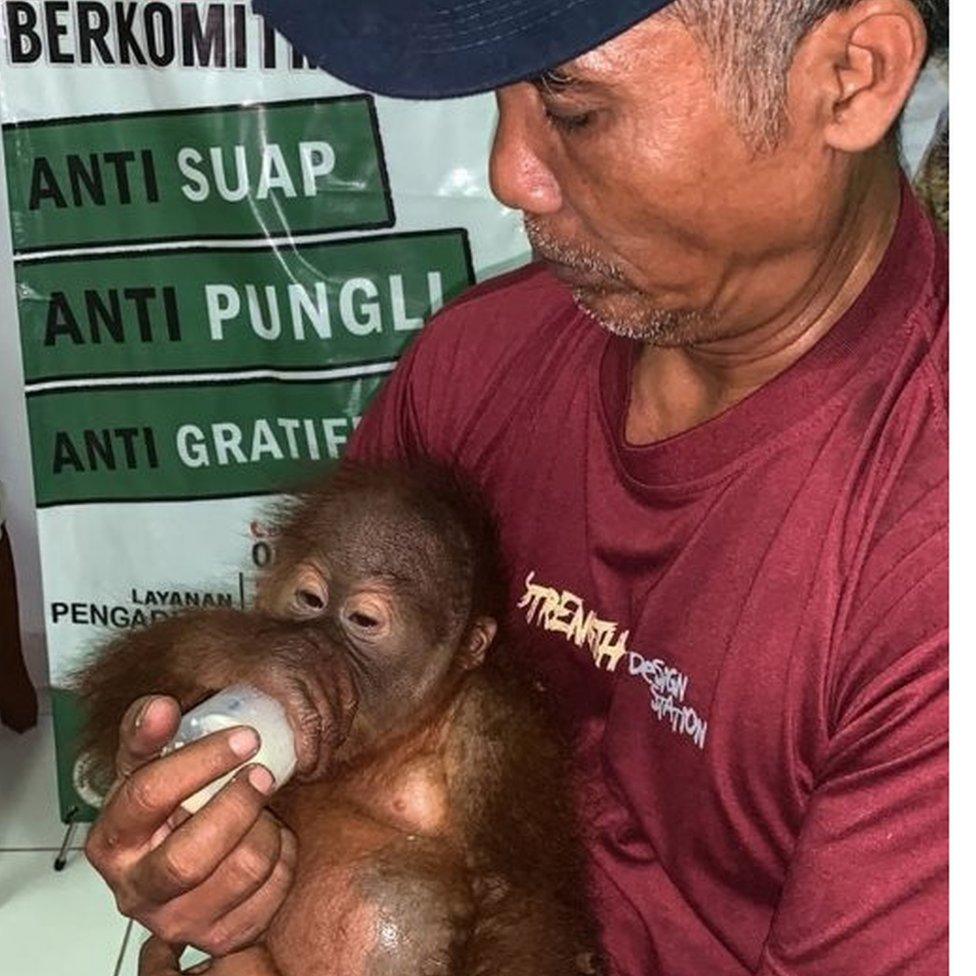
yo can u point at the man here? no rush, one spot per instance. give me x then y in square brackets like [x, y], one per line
[712, 421]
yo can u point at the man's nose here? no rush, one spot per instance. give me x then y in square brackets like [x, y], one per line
[520, 176]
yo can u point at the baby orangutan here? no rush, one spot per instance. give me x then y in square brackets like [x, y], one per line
[431, 801]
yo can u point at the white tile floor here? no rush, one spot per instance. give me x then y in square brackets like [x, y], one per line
[51, 924]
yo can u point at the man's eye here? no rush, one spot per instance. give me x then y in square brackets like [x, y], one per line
[569, 121]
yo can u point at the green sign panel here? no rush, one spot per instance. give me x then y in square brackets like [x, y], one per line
[275, 169]
[203, 309]
[186, 441]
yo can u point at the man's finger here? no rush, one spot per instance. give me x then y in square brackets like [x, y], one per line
[148, 724]
[221, 917]
[144, 801]
[158, 958]
[251, 919]
[214, 837]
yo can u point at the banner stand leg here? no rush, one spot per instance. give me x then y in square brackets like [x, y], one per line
[62, 859]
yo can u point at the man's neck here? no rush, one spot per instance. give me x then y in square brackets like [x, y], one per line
[675, 389]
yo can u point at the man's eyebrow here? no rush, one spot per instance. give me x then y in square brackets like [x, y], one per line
[559, 80]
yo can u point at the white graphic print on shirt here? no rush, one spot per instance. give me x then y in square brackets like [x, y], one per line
[563, 612]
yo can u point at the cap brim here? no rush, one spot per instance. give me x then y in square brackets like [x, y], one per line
[416, 49]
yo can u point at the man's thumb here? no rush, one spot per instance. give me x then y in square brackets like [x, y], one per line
[148, 724]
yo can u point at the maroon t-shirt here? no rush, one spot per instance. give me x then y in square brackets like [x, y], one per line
[746, 624]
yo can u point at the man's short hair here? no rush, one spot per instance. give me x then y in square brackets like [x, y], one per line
[753, 43]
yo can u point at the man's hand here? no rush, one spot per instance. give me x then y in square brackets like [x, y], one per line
[158, 958]
[214, 880]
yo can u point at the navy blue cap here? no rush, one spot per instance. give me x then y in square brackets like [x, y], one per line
[445, 48]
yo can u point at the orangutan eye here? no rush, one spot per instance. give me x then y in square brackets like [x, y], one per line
[363, 620]
[367, 617]
[310, 600]
[310, 596]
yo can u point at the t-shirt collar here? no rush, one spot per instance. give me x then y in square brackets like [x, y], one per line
[716, 448]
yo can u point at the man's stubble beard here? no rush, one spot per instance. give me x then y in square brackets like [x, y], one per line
[667, 328]
[635, 316]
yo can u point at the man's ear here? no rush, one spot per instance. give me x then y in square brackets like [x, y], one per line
[478, 639]
[865, 60]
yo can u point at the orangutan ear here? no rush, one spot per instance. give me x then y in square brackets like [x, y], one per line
[863, 62]
[476, 643]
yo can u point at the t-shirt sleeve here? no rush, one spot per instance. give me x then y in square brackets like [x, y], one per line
[867, 887]
[392, 427]
[452, 381]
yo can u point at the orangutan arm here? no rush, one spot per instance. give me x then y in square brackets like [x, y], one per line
[532, 917]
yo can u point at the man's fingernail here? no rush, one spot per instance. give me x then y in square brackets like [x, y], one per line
[261, 779]
[144, 711]
[244, 743]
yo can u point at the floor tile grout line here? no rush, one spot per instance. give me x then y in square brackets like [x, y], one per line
[120, 961]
